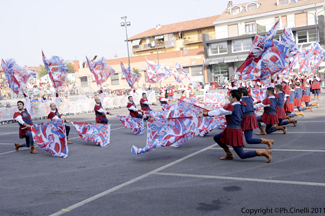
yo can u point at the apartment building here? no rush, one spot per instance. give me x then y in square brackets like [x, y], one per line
[237, 26]
[173, 37]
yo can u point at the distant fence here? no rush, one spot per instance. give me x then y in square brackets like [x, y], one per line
[75, 105]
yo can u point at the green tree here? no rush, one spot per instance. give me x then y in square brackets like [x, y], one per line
[137, 72]
[70, 67]
[42, 72]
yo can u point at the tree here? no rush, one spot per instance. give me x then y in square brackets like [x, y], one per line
[42, 72]
[137, 72]
[70, 67]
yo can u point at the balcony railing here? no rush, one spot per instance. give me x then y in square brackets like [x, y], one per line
[196, 39]
[142, 47]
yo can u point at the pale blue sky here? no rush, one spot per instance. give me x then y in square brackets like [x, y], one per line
[75, 28]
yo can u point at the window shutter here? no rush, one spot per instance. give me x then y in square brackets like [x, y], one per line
[301, 19]
[232, 30]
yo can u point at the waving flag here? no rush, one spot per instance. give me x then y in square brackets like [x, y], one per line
[13, 83]
[135, 124]
[168, 132]
[101, 70]
[178, 66]
[130, 77]
[155, 73]
[173, 72]
[258, 94]
[303, 62]
[184, 108]
[318, 55]
[51, 137]
[57, 69]
[17, 76]
[96, 133]
[287, 36]
[176, 131]
[262, 57]
[207, 124]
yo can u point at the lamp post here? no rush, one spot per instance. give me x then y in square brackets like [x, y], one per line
[316, 20]
[125, 24]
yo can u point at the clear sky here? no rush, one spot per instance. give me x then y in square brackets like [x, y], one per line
[73, 29]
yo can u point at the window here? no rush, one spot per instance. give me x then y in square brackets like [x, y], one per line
[300, 19]
[220, 72]
[115, 79]
[232, 30]
[84, 81]
[235, 10]
[306, 36]
[218, 48]
[250, 27]
[197, 71]
[241, 45]
[186, 69]
[252, 7]
[283, 21]
[283, 2]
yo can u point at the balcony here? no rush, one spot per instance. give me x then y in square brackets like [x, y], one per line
[160, 44]
[196, 39]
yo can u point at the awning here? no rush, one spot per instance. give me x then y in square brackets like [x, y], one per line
[242, 57]
[159, 37]
[213, 61]
[136, 42]
[230, 59]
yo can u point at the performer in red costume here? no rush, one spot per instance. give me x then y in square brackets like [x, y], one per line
[55, 115]
[25, 122]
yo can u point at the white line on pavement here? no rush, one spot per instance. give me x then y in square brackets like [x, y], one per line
[12, 151]
[90, 199]
[244, 179]
[284, 150]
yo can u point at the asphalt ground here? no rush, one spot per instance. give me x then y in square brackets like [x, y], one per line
[189, 180]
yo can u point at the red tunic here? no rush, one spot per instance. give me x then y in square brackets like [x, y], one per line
[316, 84]
[132, 113]
[270, 119]
[280, 113]
[305, 98]
[249, 123]
[99, 116]
[297, 102]
[289, 107]
[232, 136]
[183, 97]
[27, 119]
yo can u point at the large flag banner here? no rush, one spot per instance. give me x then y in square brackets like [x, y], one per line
[318, 55]
[207, 124]
[185, 108]
[101, 70]
[178, 66]
[17, 76]
[51, 137]
[130, 77]
[258, 94]
[91, 132]
[173, 72]
[262, 57]
[135, 124]
[57, 69]
[155, 73]
[168, 132]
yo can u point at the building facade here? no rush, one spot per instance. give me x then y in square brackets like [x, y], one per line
[237, 26]
[173, 37]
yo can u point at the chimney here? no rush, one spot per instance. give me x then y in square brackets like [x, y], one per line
[229, 4]
[76, 66]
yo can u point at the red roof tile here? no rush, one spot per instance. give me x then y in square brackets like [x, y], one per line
[178, 27]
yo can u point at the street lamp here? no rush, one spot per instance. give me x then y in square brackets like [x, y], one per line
[157, 27]
[316, 20]
[126, 24]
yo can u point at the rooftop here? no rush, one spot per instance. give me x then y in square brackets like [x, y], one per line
[178, 27]
[264, 7]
